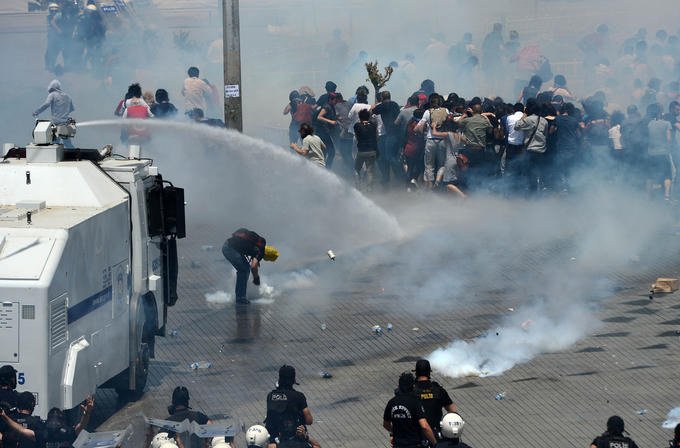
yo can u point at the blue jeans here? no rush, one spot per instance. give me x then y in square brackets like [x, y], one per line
[238, 260]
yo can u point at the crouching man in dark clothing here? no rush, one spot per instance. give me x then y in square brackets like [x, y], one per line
[404, 416]
[244, 250]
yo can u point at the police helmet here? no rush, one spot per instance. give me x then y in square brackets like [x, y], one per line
[91, 7]
[257, 436]
[53, 6]
[161, 440]
[452, 425]
[219, 442]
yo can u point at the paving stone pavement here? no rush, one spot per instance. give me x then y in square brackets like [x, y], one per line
[560, 399]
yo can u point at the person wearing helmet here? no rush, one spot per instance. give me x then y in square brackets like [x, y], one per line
[163, 440]
[8, 385]
[179, 411]
[404, 416]
[244, 250]
[288, 414]
[451, 429]
[257, 436]
[613, 437]
[432, 396]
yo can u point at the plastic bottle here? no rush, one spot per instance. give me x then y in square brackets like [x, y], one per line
[389, 326]
[377, 329]
[323, 326]
[200, 365]
[500, 396]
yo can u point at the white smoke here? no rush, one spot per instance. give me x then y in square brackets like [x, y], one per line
[672, 419]
[218, 298]
[538, 329]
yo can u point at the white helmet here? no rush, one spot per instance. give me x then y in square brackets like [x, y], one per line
[452, 426]
[257, 435]
[219, 442]
[161, 440]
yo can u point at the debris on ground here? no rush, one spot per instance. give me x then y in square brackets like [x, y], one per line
[377, 329]
[331, 254]
[389, 326]
[207, 247]
[666, 285]
[200, 365]
[323, 326]
[326, 375]
[500, 396]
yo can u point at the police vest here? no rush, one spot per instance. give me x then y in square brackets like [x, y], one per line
[614, 442]
[431, 398]
[282, 418]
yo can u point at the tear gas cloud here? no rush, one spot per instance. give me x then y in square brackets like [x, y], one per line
[672, 419]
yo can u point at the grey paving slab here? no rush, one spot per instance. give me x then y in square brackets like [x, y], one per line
[560, 398]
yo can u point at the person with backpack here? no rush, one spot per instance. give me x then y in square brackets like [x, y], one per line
[613, 437]
[535, 129]
[435, 147]
[244, 250]
[288, 414]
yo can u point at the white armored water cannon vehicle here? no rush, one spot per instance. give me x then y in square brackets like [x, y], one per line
[88, 266]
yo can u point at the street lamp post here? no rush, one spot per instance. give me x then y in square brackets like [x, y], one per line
[231, 35]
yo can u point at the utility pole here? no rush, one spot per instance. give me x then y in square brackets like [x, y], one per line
[231, 38]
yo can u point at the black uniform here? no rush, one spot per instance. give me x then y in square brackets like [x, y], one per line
[9, 396]
[284, 413]
[32, 422]
[607, 440]
[451, 443]
[192, 416]
[433, 398]
[404, 411]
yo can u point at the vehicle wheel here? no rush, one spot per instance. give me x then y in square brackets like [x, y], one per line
[141, 376]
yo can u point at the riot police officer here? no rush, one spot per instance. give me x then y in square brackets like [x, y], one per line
[288, 414]
[613, 437]
[432, 396]
[404, 416]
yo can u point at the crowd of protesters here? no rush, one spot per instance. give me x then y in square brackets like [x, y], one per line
[543, 139]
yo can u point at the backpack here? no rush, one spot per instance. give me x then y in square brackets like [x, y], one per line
[245, 241]
[303, 113]
[137, 111]
[437, 117]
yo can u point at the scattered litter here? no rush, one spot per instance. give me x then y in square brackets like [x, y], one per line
[672, 419]
[500, 396]
[511, 309]
[325, 375]
[389, 326]
[207, 247]
[323, 326]
[195, 264]
[173, 333]
[221, 348]
[415, 329]
[641, 411]
[665, 285]
[377, 329]
[331, 255]
[526, 324]
[200, 365]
